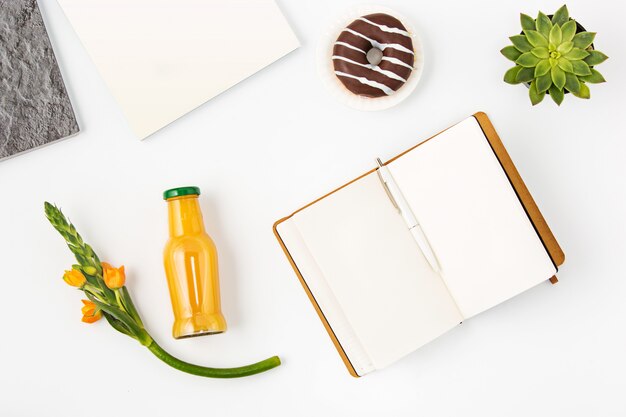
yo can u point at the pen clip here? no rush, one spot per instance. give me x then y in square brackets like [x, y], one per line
[385, 186]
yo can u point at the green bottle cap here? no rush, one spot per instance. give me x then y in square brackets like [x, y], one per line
[181, 191]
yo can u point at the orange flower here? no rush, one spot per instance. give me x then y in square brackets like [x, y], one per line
[91, 313]
[113, 277]
[74, 277]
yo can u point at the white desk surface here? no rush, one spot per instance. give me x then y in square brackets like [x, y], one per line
[268, 146]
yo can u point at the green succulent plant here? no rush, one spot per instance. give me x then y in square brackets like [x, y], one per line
[553, 58]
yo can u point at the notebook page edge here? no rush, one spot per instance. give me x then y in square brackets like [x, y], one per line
[328, 307]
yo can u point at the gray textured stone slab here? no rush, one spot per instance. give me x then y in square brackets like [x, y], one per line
[35, 109]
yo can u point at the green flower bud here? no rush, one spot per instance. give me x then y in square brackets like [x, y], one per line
[90, 270]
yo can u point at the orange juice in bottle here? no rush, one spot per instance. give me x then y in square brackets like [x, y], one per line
[191, 267]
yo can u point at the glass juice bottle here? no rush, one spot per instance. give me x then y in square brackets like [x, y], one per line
[190, 261]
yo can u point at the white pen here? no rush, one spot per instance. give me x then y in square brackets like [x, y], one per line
[398, 200]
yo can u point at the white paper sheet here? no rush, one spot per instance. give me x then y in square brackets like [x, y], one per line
[163, 58]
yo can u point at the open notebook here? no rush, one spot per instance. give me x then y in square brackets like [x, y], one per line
[372, 286]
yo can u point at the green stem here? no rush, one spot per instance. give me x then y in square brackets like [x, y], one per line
[119, 302]
[93, 289]
[130, 306]
[176, 363]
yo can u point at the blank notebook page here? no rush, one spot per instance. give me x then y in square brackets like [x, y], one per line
[390, 296]
[487, 246]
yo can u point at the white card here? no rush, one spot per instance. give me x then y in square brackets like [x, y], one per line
[163, 58]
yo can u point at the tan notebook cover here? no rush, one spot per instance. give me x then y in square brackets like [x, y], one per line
[541, 227]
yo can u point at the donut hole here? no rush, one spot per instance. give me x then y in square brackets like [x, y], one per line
[374, 56]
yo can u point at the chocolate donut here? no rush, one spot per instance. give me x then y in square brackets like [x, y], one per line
[373, 56]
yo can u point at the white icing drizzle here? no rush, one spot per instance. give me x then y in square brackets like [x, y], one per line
[386, 28]
[376, 68]
[381, 46]
[347, 45]
[365, 81]
[396, 61]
